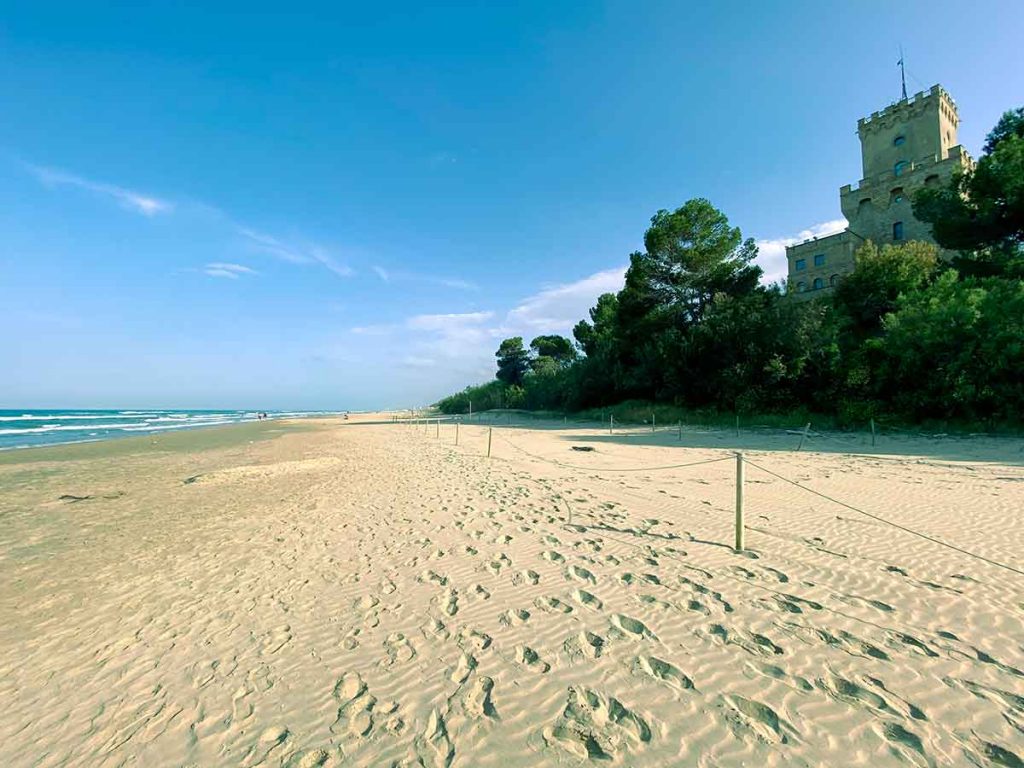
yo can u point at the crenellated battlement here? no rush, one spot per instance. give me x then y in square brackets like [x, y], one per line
[903, 110]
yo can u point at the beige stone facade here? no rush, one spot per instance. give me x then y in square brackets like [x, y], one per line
[908, 145]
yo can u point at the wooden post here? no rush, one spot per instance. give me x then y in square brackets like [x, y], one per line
[804, 436]
[652, 421]
[872, 433]
[456, 433]
[739, 502]
[438, 425]
[489, 431]
[737, 424]
[680, 429]
[611, 424]
[471, 410]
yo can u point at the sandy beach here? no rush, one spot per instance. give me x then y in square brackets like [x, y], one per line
[369, 593]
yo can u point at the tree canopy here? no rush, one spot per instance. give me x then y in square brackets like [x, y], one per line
[905, 334]
[980, 213]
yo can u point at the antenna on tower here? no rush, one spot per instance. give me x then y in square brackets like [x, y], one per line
[903, 74]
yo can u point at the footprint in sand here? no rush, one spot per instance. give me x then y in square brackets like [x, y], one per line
[631, 627]
[432, 577]
[450, 602]
[478, 590]
[525, 577]
[843, 640]
[477, 701]
[514, 616]
[751, 642]
[702, 590]
[553, 556]
[663, 671]
[584, 645]
[355, 704]
[552, 605]
[748, 718]
[398, 649]
[474, 639]
[594, 726]
[528, 657]
[435, 628]
[462, 671]
[587, 599]
[788, 603]
[434, 747]
[580, 574]
[902, 742]
[776, 673]
[654, 601]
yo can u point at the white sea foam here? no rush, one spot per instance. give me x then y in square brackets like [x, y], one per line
[68, 428]
[148, 428]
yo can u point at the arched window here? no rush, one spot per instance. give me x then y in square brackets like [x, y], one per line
[864, 204]
[896, 196]
[932, 180]
[818, 283]
[900, 167]
[899, 141]
[897, 230]
[834, 280]
[801, 287]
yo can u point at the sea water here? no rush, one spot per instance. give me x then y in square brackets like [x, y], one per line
[22, 428]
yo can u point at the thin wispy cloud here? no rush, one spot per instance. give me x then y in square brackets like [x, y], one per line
[403, 276]
[771, 254]
[294, 253]
[230, 271]
[129, 199]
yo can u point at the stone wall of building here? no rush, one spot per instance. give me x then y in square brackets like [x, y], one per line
[906, 146]
[817, 265]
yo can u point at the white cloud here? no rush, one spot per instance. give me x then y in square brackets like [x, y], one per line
[326, 259]
[294, 253]
[147, 205]
[559, 308]
[470, 338]
[231, 271]
[772, 253]
[389, 276]
[448, 323]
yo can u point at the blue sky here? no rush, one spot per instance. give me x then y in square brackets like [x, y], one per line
[348, 206]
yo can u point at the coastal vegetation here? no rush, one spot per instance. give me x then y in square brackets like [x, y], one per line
[906, 336]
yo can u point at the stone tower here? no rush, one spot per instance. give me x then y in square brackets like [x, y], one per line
[907, 145]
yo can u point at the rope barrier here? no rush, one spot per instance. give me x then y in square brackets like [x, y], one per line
[881, 519]
[558, 463]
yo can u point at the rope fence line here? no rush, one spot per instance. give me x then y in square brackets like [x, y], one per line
[558, 463]
[740, 526]
[881, 519]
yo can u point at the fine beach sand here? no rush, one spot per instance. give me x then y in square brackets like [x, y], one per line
[365, 593]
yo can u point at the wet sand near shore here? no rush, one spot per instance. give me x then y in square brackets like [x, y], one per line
[324, 593]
